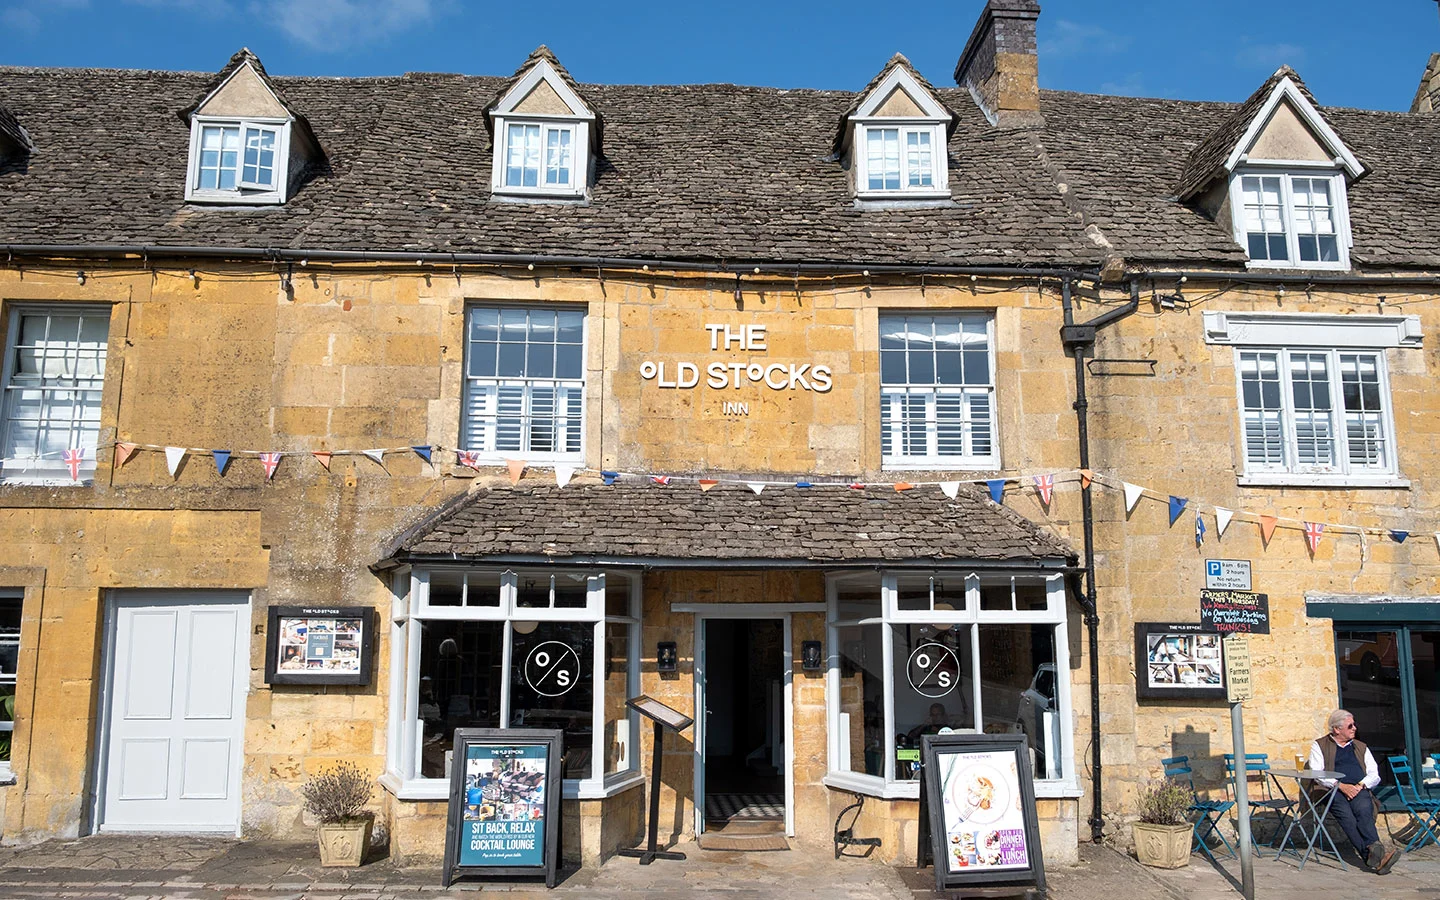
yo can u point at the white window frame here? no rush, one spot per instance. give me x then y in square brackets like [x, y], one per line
[46, 471]
[886, 786]
[1287, 171]
[245, 193]
[411, 591]
[7, 772]
[928, 461]
[489, 453]
[1333, 336]
[578, 186]
[939, 169]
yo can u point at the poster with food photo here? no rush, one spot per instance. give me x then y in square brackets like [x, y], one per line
[318, 646]
[1176, 661]
[983, 811]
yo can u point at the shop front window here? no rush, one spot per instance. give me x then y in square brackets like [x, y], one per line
[918, 654]
[484, 648]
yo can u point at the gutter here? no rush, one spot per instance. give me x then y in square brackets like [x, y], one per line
[1077, 338]
[1274, 278]
[1039, 564]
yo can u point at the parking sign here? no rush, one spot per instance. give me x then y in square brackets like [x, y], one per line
[1227, 574]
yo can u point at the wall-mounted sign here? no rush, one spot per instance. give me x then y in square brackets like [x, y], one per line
[983, 823]
[1227, 574]
[319, 645]
[504, 816]
[1238, 686]
[734, 374]
[933, 670]
[552, 669]
[1235, 612]
[1180, 661]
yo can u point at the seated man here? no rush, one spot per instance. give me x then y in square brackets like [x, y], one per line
[1354, 803]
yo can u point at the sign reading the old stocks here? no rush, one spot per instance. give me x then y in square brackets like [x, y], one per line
[1227, 574]
[1235, 612]
[735, 375]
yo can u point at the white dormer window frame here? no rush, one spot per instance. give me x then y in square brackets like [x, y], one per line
[541, 155]
[229, 156]
[900, 157]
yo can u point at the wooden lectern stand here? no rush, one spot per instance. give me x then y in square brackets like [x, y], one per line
[663, 717]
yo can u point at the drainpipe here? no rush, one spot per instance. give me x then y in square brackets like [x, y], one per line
[1077, 339]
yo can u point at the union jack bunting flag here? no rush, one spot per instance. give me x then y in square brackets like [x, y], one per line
[660, 479]
[1312, 535]
[469, 458]
[1045, 484]
[72, 459]
[270, 459]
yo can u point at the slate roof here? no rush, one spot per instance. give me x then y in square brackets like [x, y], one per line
[704, 173]
[241, 57]
[640, 521]
[899, 60]
[597, 140]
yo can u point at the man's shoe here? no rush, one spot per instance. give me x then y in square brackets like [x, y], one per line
[1374, 854]
[1385, 863]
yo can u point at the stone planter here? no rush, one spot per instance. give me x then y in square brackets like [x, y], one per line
[345, 843]
[1162, 846]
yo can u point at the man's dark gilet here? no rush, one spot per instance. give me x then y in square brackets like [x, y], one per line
[1328, 747]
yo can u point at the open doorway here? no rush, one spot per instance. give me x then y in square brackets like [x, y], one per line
[744, 754]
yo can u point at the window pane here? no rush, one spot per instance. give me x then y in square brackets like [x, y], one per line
[459, 685]
[996, 594]
[617, 594]
[857, 601]
[1262, 211]
[1424, 659]
[1310, 388]
[52, 401]
[862, 699]
[532, 591]
[1261, 415]
[1368, 664]
[882, 158]
[446, 588]
[923, 350]
[912, 592]
[620, 751]
[482, 589]
[552, 685]
[557, 156]
[932, 680]
[1018, 692]
[1364, 419]
[259, 167]
[1031, 595]
[919, 164]
[9, 666]
[526, 392]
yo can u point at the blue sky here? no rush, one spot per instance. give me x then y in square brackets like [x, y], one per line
[1350, 53]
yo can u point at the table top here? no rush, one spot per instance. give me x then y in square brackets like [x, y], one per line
[1307, 773]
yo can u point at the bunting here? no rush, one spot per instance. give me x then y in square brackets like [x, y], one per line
[1222, 521]
[1045, 486]
[469, 459]
[377, 454]
[857, 486]
[173, 457]
[72, 457]
[803, 484]
[1177, 506]
[123, 451]
[422, 451]
[707, 483]
[322, 457]
[222, 461]
[1398, 536]
[756, 486]
[1267, 528]
[1132, 495]
[516, 468]
[607, 477]
[1086, 477]
[1313, 531]
[659, 479]
[270, 459]
[904, 486]
[563, 474]
[1199, 529]
[950, 489]
[997, 489]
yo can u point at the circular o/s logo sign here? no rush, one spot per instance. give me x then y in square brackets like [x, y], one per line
[552, 669]
[934, 670]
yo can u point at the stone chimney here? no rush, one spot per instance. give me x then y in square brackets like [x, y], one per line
[1427, 98]
[999, 64]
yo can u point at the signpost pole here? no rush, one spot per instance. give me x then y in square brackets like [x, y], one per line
[1242, 801]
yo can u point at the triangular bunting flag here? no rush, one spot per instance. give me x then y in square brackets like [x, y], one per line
[659, 479]
[422, 451]
[322, 457]
[1045, 485]
[1267, 528]
[707, 483]
[563, 474]
[517, 469]
[756, 486]
[72, 460]
[1222, 520]
[1399, 536]
[997, 489]
[123, 451]
[857, 485]
[951, 489]
[1086, 476]
[609, 477]
[1313, 531]
[1199, 529]
[1132, 495]
[903, 486]
[173, 456]
[1177, 506]
[270, 459]
[471, 459]
[1437, 540]
[222, 461]
[378, 454]
[803, 484]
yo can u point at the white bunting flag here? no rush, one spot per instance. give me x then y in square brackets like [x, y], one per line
[758, 486]
[173, 456]
[377, 455]
[1222, 520]
[1132, 495]
[951, 488]
[563, 474]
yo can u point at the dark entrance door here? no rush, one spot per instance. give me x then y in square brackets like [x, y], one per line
[744, 754]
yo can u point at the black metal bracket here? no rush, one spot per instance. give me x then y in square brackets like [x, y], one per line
[845, 837]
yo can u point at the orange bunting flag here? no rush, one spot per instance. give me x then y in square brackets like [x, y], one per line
[1086, 476]
[517, 468]
[903, 486]
[1267, 528]
[707, 483]
[323, 457]
[123, 451]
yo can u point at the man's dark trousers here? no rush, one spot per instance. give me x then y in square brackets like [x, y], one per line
[1357, 817]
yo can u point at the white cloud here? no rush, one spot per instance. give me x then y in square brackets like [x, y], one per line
[1066, 39]
[337, 25]
[20, 20]
[1269, 56]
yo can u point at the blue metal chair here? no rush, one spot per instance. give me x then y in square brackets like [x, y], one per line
[1209, 811]
[1265, 799]
[1425, 811]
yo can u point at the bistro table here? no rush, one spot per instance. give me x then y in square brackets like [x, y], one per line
[1309, 818]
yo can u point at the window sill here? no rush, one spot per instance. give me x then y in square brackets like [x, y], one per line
[904, 201]
[438, 789]
[1269, 265]
[1300, 479]
[910, 790]
[985, 464]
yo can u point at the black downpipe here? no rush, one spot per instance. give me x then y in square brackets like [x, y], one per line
[1076, 339]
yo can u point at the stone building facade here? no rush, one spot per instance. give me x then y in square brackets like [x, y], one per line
[531, 383]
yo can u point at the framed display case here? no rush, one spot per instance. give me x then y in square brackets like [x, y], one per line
[1178, 662]
[319, 645]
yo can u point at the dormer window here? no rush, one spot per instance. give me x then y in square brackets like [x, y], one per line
[1292, 219]
[901, 158]
[235, 159]
[544, 132]
[894, 136]
[540, 155]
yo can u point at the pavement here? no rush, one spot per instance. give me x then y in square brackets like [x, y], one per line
[127, 867]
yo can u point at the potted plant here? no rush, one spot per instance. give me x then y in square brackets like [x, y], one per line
[1163, 834]
[337, 798]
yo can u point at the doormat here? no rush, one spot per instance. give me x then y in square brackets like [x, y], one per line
[721, 807]
[745, 843]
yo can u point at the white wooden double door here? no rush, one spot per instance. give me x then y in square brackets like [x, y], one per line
[175, 714]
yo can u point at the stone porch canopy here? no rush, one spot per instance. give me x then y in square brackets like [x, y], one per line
[729, 526]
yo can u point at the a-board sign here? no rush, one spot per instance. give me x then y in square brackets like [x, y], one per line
[504, 816]
[983, 825]
[1178, 661]
[1235, 612]
[1238, 685]
[319, 645]
[1227, 574]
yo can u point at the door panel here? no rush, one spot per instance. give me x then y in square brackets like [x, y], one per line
[176, 713]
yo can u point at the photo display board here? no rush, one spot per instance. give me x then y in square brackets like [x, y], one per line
[319, 645]
[983, 825]
[504, 816]
[1178, 661]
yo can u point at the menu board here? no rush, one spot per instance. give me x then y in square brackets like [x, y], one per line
[504, 803]
[983, 823]
[1178, 661]
[319, 645]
